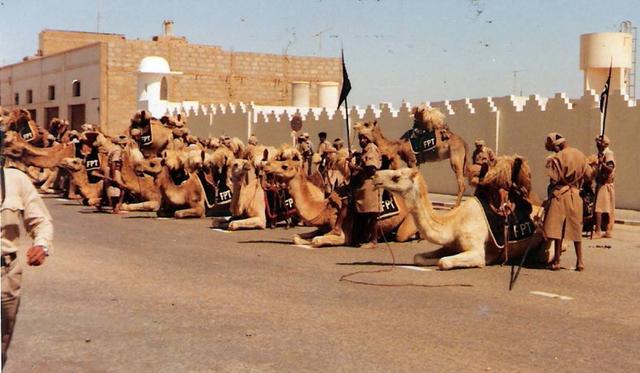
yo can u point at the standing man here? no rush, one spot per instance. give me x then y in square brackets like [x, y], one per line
[20, 203]
[563, 219]
[483, 154]
[368, 199]
[606, 198]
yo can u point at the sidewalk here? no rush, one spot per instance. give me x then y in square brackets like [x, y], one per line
[442, 201]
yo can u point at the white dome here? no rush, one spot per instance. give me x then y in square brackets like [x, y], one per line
[154, 65]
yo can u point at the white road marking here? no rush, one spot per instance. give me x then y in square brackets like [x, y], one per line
[63, 199]
[163, 218]
[220, 230]
[420, 269]
[306, 247]
[550, 295]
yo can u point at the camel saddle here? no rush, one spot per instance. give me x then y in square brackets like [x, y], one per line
[388, 206]
[520, 224]
[217, 197]
[26, 133]
[280, 205]
[91, 163]
[421, 140]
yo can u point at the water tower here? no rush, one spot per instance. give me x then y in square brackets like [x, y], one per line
[600, 50]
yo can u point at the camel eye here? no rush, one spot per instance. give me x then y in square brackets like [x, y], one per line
[395, 179]
[285, 167]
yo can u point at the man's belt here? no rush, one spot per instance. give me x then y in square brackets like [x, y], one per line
[8, 258]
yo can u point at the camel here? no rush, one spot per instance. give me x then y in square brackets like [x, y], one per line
[92, 192]
[462, 231]
[154, 137]
[316, 210]
[181, 191]
[426, 118]
[142, 186]
[19, 120]
[248, 197]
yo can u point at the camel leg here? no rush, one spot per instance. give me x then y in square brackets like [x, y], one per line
[195, 212]
[431, 258]
[303, 238]
[329, 239]
[406, 230]
[142, 206]
[250, 223]
[457, 168]
[47, 186]
[474, 256]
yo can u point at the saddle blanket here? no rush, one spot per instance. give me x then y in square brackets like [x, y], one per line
[27, 134]
[520, 224]
[214, 196]
[421, 140]
[146, 136]
[388, 206]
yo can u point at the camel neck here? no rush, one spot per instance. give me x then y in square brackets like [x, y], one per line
[244, 191]
[308, 198]
[47, 157]
[429, 223]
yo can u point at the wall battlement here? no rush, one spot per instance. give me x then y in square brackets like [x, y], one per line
[509, 125]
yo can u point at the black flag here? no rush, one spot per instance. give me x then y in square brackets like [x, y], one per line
[346, 83]
[604, 96]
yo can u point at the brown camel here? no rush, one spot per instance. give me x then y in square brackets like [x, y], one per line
[90, 191]
[152, 135]
[248, 197]
[181, 191]
[318, 211]
[427, 118]
[16, 148]
[142, 186]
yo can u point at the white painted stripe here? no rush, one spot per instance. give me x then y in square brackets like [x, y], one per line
[220, 230]
[163, 218]
[420, 269]
[307, 247]
[550, 295]
[63, 199]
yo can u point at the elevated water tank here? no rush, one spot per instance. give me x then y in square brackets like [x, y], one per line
[152, 84]
[598, 51]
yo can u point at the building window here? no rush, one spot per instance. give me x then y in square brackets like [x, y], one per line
[52, 92]
[75, 88]
[29, 96]
[16, 100]
[163, 88]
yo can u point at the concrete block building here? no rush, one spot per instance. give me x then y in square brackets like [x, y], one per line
[104, 78]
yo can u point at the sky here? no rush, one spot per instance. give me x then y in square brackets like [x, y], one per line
[399, 50]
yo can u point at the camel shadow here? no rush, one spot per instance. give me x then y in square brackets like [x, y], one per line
[279, 242]
[380, 264]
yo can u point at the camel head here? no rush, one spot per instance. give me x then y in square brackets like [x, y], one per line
[501, 174]
[174, 160]
[240, 170]
[399, 181]
[283, 170]
[13, 145]
[363, 128]
[427, 117]
[72, 164]
[288, 152]
[19, 118]
[193, 158]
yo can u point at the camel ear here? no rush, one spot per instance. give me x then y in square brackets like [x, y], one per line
[265, 155]
[180, 117]
[375, 122]
[414, 173]
[202, 154]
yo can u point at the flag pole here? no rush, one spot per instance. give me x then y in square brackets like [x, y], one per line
[606, 103]
[346, 110]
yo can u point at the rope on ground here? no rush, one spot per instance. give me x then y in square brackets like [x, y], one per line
[347, 277]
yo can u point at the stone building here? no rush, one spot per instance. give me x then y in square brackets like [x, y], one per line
[104, 78]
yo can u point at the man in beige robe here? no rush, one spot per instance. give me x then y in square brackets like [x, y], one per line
[563, 220]
[606, 199]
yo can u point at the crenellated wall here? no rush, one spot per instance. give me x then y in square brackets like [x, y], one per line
[509, 125]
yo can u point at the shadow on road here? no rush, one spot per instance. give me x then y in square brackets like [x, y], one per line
[280, 242]
[381, 264]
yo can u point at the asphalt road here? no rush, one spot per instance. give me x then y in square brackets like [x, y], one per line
[131, 293]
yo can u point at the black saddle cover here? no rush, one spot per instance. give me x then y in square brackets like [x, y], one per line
[421, 140]
[520, 224]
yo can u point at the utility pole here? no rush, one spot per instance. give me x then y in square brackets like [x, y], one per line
[515, 82]
[319, 36]
[97, 15]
